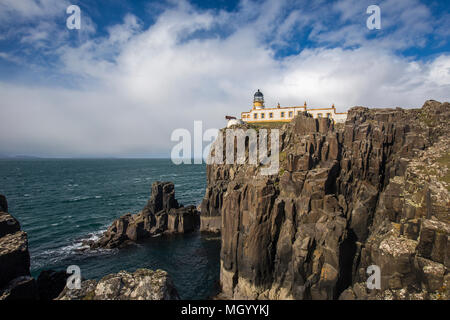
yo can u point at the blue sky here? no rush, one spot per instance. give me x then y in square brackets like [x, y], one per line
[137, 70]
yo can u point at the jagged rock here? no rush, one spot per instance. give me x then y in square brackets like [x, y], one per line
[373, 191]
[162, 198]
[20, 288]
[433, 241]
[161, 214]
[15, 280]
[51, 283]
[8, 224]
[14, 257]
[143, 284]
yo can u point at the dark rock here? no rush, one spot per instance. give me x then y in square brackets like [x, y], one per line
[20, 288]
[15, 280]
[161, 214]
[162, 198]
[3, 203]
[14, 257]
[8, 224]
[346, 197]
[51, 283]
[183, 220]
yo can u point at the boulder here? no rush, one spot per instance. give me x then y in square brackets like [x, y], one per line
[143, 284]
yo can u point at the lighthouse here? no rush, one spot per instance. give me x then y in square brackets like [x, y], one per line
[258, 100]
[259, 113]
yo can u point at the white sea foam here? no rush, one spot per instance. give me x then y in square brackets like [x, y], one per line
[82, 198]
[77, 247]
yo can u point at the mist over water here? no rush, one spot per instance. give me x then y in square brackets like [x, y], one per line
[61, 202]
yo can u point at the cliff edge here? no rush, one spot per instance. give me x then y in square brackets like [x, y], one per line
[372, 191]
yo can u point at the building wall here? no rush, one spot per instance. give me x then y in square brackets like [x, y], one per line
[286, 114]
[340, 117]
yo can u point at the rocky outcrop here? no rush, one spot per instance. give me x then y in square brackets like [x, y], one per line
[17, 284]
[162, 214]
[373, 191]
[143, 284]
[15, 280]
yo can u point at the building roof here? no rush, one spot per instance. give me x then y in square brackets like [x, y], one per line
[258, 94]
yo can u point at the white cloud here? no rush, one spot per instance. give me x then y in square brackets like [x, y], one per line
[8, 57]
[39, 24]
[31, 9]
[140, 84]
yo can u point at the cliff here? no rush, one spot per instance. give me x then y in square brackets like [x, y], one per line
[373, 191]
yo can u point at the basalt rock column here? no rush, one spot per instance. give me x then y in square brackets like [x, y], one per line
[346, 197]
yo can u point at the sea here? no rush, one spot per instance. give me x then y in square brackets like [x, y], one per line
[61, 202]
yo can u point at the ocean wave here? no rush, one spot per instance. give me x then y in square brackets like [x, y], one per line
[77, 247]
[82, 198]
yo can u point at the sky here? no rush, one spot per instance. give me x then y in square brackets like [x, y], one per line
[137, 70]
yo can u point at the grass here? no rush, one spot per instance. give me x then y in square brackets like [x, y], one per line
[267, 125]
[427, 119]
[445, 162]
[89, 296]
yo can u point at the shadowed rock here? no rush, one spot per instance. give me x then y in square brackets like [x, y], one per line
[15, 280]
[3, 203]
[51, 283]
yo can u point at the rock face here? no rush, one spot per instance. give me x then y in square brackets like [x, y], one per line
[143, 284]
[161, 214]
[374, 191]
[15, 280]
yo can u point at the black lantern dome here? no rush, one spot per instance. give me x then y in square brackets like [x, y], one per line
[258, 96]
[258, 99]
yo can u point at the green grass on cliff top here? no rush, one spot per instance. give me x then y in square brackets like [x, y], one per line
[267, 125]
[445, 161]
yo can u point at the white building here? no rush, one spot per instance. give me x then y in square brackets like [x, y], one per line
[260, 113]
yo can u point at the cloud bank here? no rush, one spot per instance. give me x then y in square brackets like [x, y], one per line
[130, 88]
